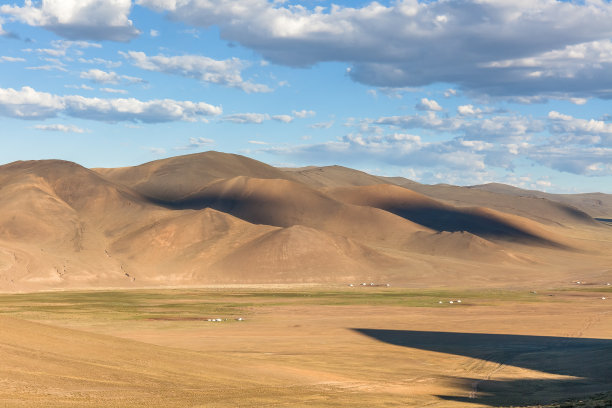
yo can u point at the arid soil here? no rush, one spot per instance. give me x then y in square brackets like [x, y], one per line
[215, 218]
[314, 346]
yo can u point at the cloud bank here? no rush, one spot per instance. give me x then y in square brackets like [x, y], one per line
[477, 143]
[553, 48]
[27, 103]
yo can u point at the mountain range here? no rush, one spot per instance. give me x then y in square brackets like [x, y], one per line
[215, 218]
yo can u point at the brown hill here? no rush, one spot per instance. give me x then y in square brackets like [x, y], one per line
[285, 203]
[400, 181]
[332, 176]
[464, 245]
[30, 210]
[182, 247]
[64, 226]
[75, 189]
[596, 205]
[546, 208]
[438, 216]
[538, 209]
[303, 254]
[171, 179]
[56, 222]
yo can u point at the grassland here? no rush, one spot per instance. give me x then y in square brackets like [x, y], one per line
[118, 305]
[314, 346]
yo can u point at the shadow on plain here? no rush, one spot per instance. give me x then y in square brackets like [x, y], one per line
[586, 359]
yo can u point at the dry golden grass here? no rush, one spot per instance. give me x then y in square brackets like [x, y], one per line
[303, 347]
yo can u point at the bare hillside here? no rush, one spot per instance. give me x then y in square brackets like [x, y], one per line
[218, 218]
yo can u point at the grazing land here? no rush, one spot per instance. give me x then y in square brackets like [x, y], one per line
[305, 345]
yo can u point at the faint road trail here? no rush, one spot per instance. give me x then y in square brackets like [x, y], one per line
[588, 323]
[474, 392]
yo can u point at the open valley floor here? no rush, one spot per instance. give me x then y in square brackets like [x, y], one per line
[313, 346]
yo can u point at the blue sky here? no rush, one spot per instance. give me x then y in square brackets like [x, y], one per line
[462, 92]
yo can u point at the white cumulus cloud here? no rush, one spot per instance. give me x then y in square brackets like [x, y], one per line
[283, 118]
[114, 90]
[589, 161]
[428, 105]
[302, 114]
[11, 59]
[577, 130]
[103, 77]
[196, 143]
[467, 110]
[247, 118]
[510, 128]
[60, 128]
[222, 72]
[100, 61]
[322, 125]
[499, 48]
[27, 103]
[78, 19]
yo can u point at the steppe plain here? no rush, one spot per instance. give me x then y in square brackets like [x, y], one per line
[109, 278]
